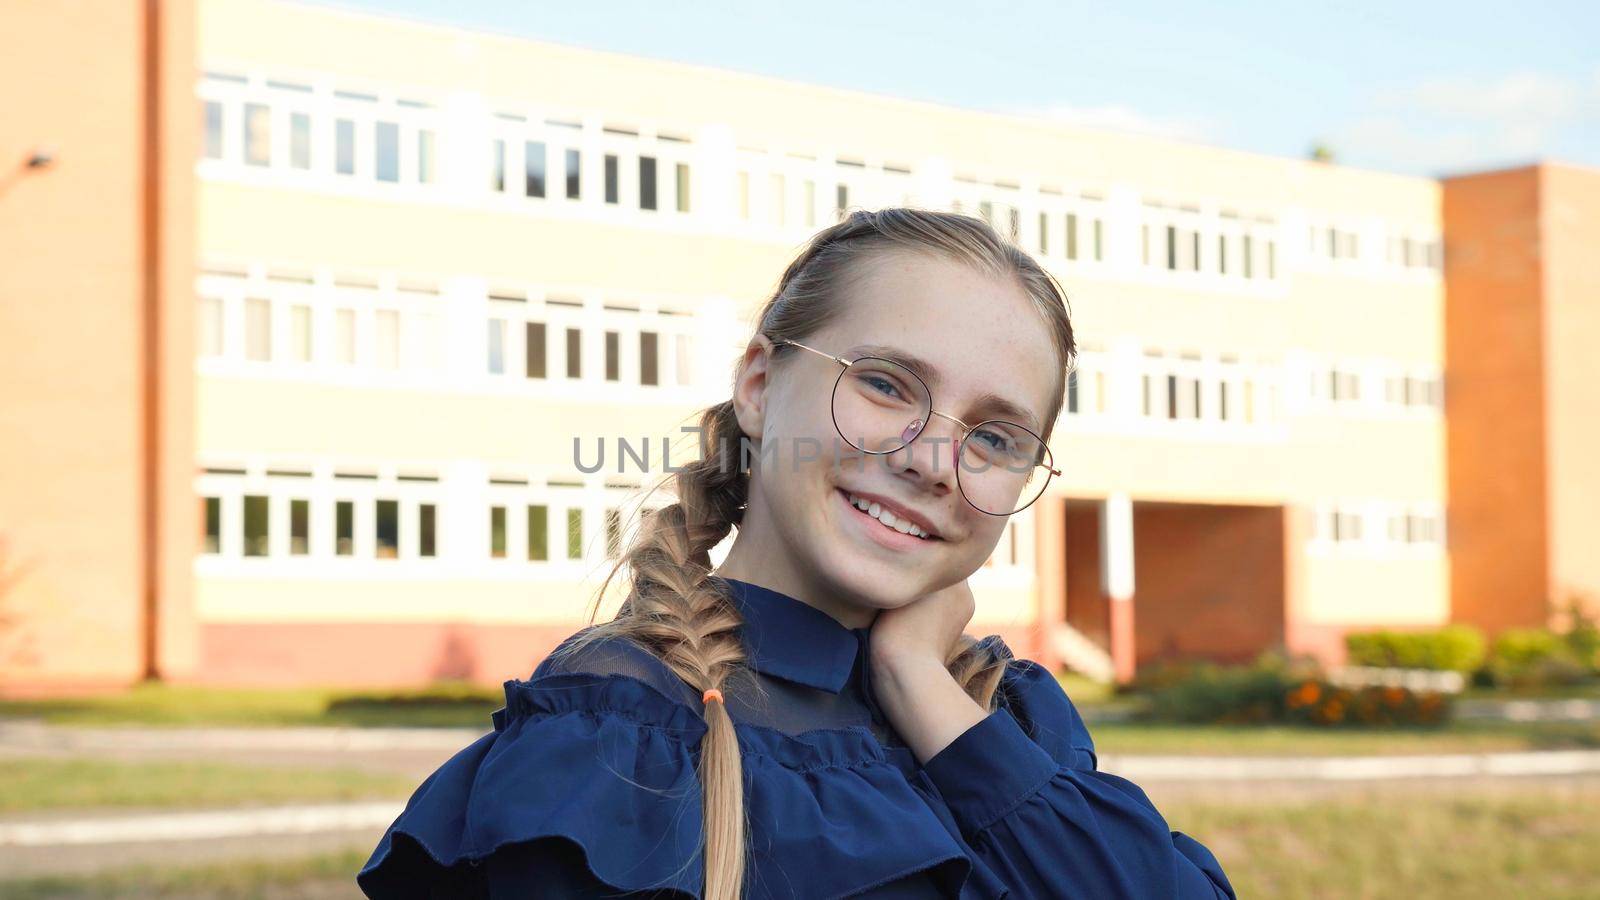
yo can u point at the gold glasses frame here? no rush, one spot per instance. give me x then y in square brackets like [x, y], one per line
[966, 430]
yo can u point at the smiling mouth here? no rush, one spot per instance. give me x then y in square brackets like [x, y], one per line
[887, 519]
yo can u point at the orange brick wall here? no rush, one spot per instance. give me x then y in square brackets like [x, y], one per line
[98, 250]
[1494, 399]
[1208, 581]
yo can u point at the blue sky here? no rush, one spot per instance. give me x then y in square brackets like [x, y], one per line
[1422, 88]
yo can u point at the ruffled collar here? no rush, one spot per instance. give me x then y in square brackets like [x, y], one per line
[790, 639]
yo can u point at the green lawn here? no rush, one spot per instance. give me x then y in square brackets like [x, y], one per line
[329, 876]
[1492, 841]
[153, 704]
[1289, 740]
[1526, 840]
[36, 783]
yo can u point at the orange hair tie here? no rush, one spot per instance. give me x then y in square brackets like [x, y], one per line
[711, 694]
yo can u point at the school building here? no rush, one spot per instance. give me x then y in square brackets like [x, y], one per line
[304, 314]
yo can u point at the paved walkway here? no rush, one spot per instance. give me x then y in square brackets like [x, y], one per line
[1574, 710]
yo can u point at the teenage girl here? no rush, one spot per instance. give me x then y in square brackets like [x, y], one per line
[809, 719]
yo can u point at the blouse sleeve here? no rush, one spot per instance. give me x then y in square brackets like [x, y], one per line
[585, 787]
[1031, 803]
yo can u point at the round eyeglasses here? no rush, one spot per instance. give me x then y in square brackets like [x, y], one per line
[880, 406]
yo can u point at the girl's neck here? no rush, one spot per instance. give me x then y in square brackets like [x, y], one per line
[772, 567]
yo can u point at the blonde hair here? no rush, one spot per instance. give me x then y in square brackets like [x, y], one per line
[686, 620]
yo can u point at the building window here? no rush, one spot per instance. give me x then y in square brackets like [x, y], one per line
[255, 525]
[299, 140]
[574, 353]
[841, 200]
[344, 528]
[497, 532]
[1072, 236]
[811, 203]
[683, 187]
[533, 168]
[258, 330]
[299, 527]
[1172, 247]
[685, 361]
[213, 139]
[1346, 526]
[210, 326]
[538, 533]
[647, 358]
[1044, 233]
[1421, 529]
[613, 533]
[1246, 255]
[300, 332]
[425, 162]
[211, 538]
[344, 155]
[497, 177]
[575, 534]
[386, 151]
[497, 346]
[344, 323]
[387, 529]
[427, 529]
[647, 182]
[777, 189]
[257, 134]
[574, 173]
[611, 178]
[1222, 254]
[388, 323]
[613, 356]
[1099, 254]
[534, 344]
[1343, 385]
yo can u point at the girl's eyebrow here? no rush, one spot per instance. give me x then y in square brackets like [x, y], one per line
[1004, 408]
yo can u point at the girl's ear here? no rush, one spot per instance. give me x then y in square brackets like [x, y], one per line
[750, 388]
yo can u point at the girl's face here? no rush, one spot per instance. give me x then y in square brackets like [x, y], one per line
[978, 335]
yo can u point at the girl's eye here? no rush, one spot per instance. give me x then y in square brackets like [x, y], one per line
[883, 385]
[994, 439]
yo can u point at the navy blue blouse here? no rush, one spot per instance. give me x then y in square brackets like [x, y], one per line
[586, 787]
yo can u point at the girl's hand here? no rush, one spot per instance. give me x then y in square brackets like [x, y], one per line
[924, 629]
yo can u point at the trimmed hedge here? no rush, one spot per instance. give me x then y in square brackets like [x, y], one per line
[438, 695]
[1536, 657]
[1455, 648]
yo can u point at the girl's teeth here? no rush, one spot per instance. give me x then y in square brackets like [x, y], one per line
[877, 511]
